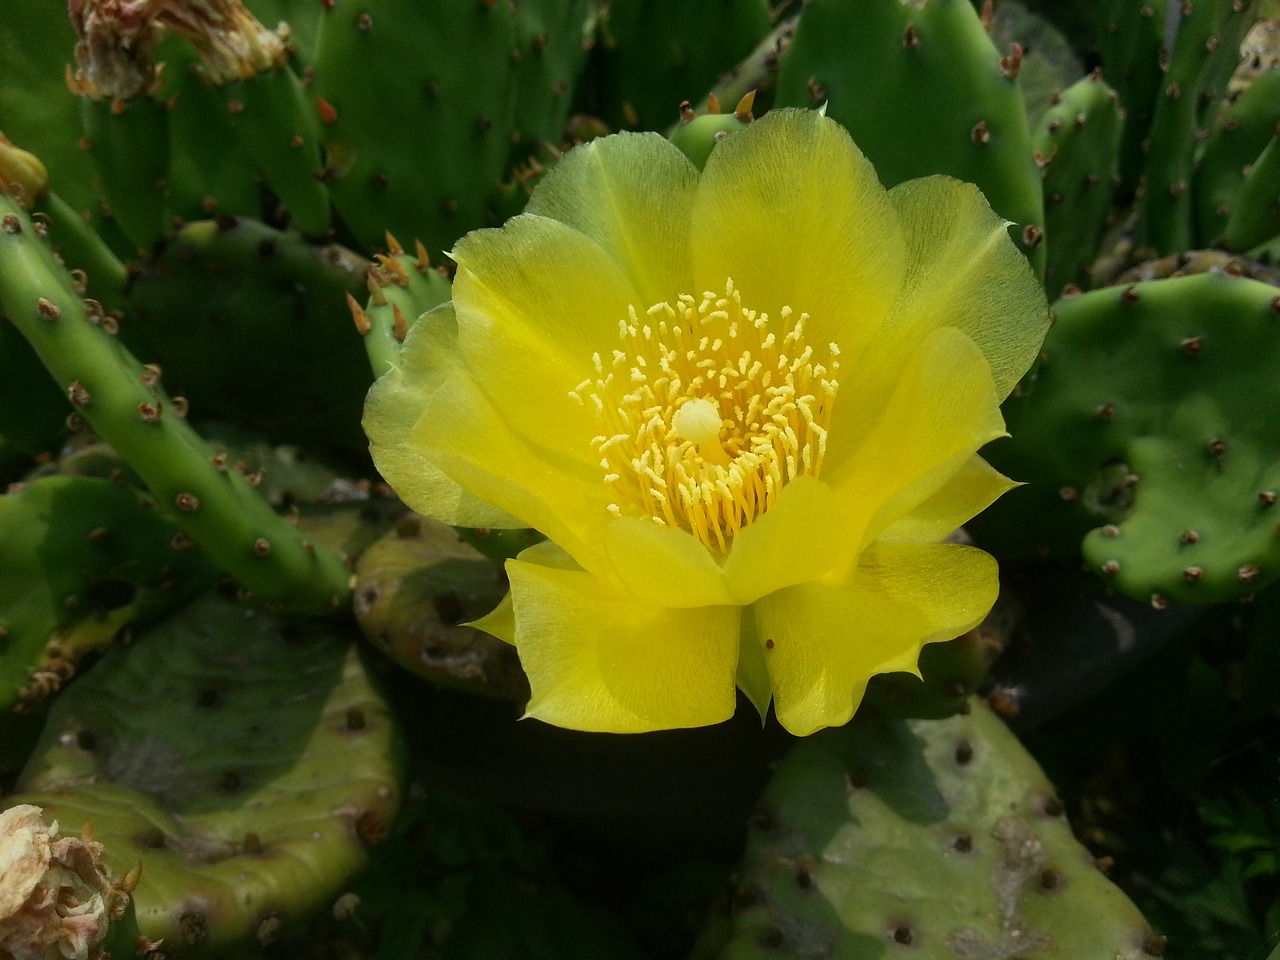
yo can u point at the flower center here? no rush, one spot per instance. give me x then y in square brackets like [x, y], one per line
[707, 409]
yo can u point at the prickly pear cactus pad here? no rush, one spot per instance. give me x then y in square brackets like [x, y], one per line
[416, 588]
[923, 90]
[1150, 430]
[246, 761]
[750, 516]
[939, 840]
[79, 559]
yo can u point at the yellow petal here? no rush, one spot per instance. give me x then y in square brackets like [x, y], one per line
[800, 538]
[394, 406]
[434, 434]
[963, 270]
[500, 621]
[598, 660]
[632, 194]
[828, 641]
[536, 301]
[942, 409]
[970, 491]
[663, 565]
[792, 211]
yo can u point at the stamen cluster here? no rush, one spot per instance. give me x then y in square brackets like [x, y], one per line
[756, 374]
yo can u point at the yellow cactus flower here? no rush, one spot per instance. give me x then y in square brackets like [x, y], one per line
[744, 405]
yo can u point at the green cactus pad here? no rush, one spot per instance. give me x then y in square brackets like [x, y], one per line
[415, 590]
[252, 327]
[923, 90]
[1077, 144]
[1150, 432]
[448, 74]
[930, 839]
[79, 559]
[244, 760]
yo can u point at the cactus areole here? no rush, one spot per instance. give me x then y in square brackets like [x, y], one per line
[743, 406]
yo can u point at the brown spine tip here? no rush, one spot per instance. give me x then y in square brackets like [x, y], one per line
[362, 320]
[1191, 346]
[1248, 573]
[150, 412]
[1130, 294]
[1193, 574]
[1189, 537]
[981, 133]
[1010, 65]
[910, 38]
[1032, 235]
[742, 112]
[187, 502]
[1110, 567]
[1068, 494]
[1159, 601]
[10, 224]
[1267, 498]
[262, 547]
[400, 328]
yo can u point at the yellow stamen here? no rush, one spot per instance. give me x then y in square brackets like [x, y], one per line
[707, 411]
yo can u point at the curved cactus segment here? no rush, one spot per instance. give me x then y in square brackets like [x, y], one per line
[925, 838]
[79, 559]
[248, 788]
[1242, 130]
[1077, 145]
[416, 588]
[1150, 427]
[1204, 55]
[922, 90]
[123, 402]
[222, 301]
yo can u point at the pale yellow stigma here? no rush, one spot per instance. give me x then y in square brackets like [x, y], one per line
[707, 409]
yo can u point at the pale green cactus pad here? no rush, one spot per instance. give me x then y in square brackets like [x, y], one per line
[244, 759]
[934, 840]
